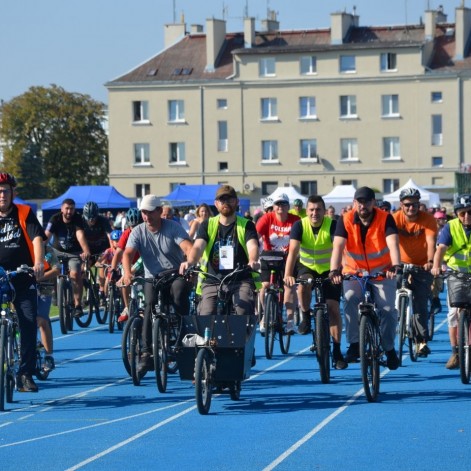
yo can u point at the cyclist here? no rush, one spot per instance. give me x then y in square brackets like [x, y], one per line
[274, 230]
[69, 239]
[97, 232]
[107, 256]
[162, 245]
[417, 239]
[367, 238]
[310, 247]
[22, 243]
[298, 209]
[223, 242]
[453, 247]
[437, 284]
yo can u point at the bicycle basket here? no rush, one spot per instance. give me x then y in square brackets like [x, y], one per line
[459, 293]
[272, 260]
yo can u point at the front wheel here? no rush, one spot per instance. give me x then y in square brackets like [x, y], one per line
[62, 303]
[463, 346]
[203, 381]
[402, 311]
[135, 349]
[369, 358]
[86, 318]
[111, 306]
[160, 342]
[3, 360]
[323, 345]
[431, 326]
[126, 345]
[270, 317]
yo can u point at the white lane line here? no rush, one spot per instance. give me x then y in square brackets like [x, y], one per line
[78, 332]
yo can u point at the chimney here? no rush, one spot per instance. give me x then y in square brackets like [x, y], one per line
[430, 23]
[462, 31]
[173, 32]
[271, 23]
[215, 37]
[341, 22]
[249, 32]
[194, 29]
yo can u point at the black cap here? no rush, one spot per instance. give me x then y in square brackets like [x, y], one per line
[364, 193]
[385, 204]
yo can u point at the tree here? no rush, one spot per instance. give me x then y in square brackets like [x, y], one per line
[54, 139]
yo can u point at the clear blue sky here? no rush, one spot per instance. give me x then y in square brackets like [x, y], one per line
[81, 44]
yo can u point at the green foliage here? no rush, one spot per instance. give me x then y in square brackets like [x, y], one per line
[54, 139]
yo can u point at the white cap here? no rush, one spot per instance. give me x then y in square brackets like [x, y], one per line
[150, 202]
[283, 198]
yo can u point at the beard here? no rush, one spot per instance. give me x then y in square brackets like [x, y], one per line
[227, 210]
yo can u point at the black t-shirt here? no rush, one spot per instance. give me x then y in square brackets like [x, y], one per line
[97, 235]
[65, 234]
[14, 249]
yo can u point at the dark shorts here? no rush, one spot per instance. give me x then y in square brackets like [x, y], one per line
[330, 291]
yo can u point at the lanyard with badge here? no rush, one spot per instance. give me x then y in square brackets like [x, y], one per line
[226, 254]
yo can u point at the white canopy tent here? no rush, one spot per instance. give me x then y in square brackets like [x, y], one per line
[290, 192]
[427, 197]
[339, 197]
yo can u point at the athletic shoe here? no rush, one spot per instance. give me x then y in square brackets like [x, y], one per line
[124, 316]
[339, 361]
[423, 350]
[146, 363]
[262, 327]
[453, 362]
[353, 353]
[392, 361]
[304, 326]
[25, 383]
[289, 328]
[49, 363]
[78, 311]
[102, 298]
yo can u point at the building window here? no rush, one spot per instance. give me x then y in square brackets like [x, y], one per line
[308, 187]
[267, 67]
[309, 150]
[348, 106]
[270, 151]
[349, 182]
[390, 185]
[223, 166]
[348, 149]
[269, 187]
[437, 161]
[269, 109]
[221, 104]
[177, 153]
[390, 105]
[391, 148]
[142, 189]
[176, 111]
[436, 97]
[223, 142]
[347, 64]
[175, 185]
[307, 107]
[140, 111]
[437, 132]
[141, 154]
[388, 62]
[308, 65]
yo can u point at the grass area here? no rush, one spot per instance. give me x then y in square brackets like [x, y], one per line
[54, 312]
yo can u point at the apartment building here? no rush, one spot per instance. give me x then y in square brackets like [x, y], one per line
[310, 108]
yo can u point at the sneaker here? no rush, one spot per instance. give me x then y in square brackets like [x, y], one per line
[304, 326]
[436, 305]
[49, 363]
[392, 361]
[146, 363]
[453, 362]
[25, 383]
[78, 311]
[353, 353]
[289, 328]
[124, 316]
[102, 298]
[339, 361]
[262, 327]
[423, 350]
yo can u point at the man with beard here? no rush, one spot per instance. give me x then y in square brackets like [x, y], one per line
[223, 242]
[367, 239]
[67, 227]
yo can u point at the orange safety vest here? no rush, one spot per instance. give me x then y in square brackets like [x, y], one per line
[372, 254]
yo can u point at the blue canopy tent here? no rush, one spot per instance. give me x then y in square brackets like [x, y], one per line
[33, 206]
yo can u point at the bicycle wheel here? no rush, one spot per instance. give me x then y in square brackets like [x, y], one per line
[270, 317]
[69, 305]
[39, 371]
[431, 326]
[3, 365]
[62, 304]
[412, 339]
[234, 390]
[203, 381]
[463, 346]
[126, 345]
[101, 314]
[401, 335]
[89, 298]
[369, 358]
[285, 339]
[159, 344]
[135, 350]
[323, 345]
[13, 360]
[111, 308]
[173, 334]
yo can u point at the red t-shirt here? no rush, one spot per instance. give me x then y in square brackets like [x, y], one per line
[123, 241]
[275, 234]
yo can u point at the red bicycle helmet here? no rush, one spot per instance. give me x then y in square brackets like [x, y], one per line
[7, 178]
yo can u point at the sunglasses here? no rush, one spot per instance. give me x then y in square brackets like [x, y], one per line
[408, 205]
[226, 199]
[462, 213]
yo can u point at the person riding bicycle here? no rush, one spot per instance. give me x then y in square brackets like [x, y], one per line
[97, 230]
[274, 229]
[223, 242]
[417, 239]
[366, 237]
[22, 244]
[309, 252]
[454, 247]
[298, 209]
[69, 239]
[162, 245]
[108, 255]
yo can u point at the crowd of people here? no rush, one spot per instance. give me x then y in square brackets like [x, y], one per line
[313, 241]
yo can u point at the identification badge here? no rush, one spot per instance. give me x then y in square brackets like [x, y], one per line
[226, 257]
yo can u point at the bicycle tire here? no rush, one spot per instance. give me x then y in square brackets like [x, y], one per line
[403, 300]
[234, 390]
[463, 346]
[39, 371]
[62, 305]
[119, 306]
[285, 339]
[69, 306]
[86, 319]
[431, 326]
[111, 309]
[159, 346]
[126, 345]
[270, 317]
[173, 335]
[323, 345]
[369, 360]
[412, 340]
[3, 365]
[14, 355]
[101, 314]
[135, 350]
[203, 382]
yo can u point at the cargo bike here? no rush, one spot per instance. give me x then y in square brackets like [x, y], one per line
[217, 351]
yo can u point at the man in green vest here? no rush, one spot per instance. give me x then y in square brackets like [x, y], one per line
[309, 253]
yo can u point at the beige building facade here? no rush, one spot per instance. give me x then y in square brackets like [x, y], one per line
[312, 109]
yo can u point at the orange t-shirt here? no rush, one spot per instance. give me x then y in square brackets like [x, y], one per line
[412, 236]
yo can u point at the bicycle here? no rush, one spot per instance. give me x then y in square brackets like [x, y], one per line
[371, 351]
[65, 295]
[91, 298]
[114, 305]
